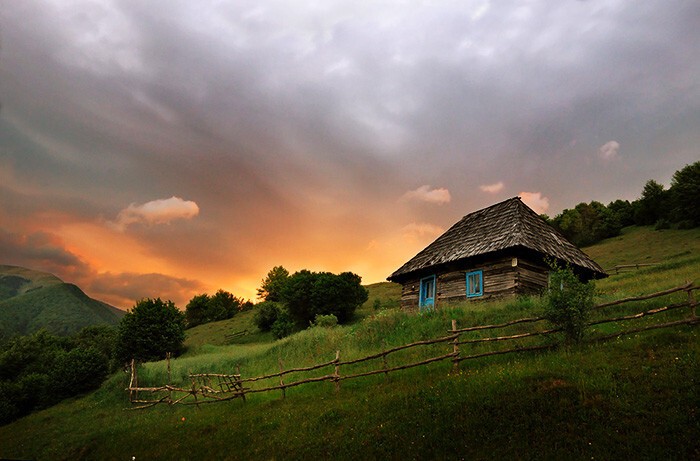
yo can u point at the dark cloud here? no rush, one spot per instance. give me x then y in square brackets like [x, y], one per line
[41, 249]
[125, 289]
[298, 127]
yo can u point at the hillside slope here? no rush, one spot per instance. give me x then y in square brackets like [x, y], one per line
[32, 300]
[635, 397]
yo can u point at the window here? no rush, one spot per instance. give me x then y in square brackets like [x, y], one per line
[475, 284]
[427, 293]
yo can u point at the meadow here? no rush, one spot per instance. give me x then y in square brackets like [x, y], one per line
[633, 397]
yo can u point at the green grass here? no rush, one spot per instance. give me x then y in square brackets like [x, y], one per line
[632, 398]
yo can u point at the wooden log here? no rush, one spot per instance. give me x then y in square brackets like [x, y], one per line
[296, 383]
[645, 297]
[505, 338]
[402, 367]
[284, 390]
[639, 315]
[291, 370]
[500, 325]
[691, 321]
[509, 351]
[240, 381]
[337, 371]
[455, 348]
[691, 302]
[444, 339]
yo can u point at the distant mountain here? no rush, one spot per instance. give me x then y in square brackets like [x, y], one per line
[31, 300]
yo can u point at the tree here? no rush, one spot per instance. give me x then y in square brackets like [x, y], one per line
[685, 194]
[151, 329]
[623, 212]
[651, 207]
[308, 294]
[223, 305]
[204, 308]
[272, 285]
[196, 310]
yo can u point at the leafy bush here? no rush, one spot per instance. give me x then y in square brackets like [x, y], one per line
[39, 370]
[204, 308]
[283, 326]
[79, 370]
[325, 321]
[308, 294]
[266, 314]
[568, 303]
[150, 330]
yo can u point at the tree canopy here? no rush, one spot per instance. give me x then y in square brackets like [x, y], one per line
[150, 330]
[271, 287]
[308, 294]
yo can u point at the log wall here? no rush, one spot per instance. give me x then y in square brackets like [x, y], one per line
[505, 276]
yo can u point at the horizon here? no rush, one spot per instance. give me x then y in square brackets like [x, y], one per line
[172, 149]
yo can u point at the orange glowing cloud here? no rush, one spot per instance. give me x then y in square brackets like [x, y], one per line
[536, 201]
[159, 211]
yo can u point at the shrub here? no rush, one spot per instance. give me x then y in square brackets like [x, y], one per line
[308, 294]
[568, 303]
[150, 330]
[325, 321]
[204, 308]
[283, 326]
[266, 314]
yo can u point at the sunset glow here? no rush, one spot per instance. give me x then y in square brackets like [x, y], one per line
[166, 149]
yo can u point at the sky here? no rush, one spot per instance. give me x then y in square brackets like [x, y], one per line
[169, 148]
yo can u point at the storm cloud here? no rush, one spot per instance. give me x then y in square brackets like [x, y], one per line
[296, 128]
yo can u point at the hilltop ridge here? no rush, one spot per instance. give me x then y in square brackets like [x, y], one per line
[31, 300]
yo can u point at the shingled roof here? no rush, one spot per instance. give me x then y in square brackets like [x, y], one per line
[505, 225]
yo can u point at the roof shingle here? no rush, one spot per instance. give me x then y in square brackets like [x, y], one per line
[505, 225]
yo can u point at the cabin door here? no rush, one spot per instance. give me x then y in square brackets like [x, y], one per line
[427, 293]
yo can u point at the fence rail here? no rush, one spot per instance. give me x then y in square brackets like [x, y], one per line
[623, 267]
[218, 387]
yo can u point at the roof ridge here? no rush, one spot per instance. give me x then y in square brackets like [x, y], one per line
[506, 224]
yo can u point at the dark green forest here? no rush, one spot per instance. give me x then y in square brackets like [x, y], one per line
[677, 207]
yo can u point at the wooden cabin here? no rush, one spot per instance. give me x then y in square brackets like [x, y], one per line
[502, 250]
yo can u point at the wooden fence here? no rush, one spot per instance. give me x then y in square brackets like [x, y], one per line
[215, 387]
[624, 267]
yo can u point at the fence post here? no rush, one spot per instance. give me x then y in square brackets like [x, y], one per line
[133, 383]
[170, 381]
[284, 393]
[384, 360]
[691, 302]
[336, 376]
[455, 348]
[238, 371]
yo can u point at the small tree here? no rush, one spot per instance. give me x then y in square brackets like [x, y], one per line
[283, 326]
[272, 285]
[685, 194]
[196, 310]
[568, 303]
[223, 305]
[308, 294]
[151, 329]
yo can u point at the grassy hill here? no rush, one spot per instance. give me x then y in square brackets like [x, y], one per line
[32, 300]
[633, 398]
